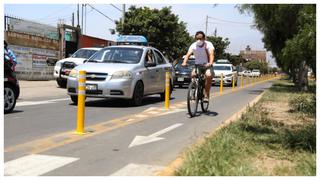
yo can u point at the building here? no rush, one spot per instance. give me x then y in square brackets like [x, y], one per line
[38, 46]
[250, 55]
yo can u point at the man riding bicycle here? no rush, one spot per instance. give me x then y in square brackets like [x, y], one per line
[204, 55]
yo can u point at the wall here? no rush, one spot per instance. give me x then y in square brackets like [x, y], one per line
[36, 55]
[88, 41]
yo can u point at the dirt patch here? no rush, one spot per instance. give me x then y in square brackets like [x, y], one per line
[280, 112]
[270, 166]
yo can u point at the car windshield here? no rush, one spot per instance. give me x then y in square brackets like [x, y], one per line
[84, 53]
[190, 64]
[117, 55]
[222, 68]
[255, 71]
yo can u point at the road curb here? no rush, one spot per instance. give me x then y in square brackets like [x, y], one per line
[175, 164]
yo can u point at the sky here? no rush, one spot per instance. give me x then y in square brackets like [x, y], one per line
[226, 18]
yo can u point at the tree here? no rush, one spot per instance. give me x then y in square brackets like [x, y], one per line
[220, 46]
[161, 27]
[256, 64]
[290, 34]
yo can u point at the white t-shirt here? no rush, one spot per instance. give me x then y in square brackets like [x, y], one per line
[200, 52]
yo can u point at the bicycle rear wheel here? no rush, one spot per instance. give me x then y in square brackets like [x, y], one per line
[192, 99]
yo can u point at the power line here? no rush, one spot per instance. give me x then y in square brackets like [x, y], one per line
[227, 21]
[116, 7]
[101, 13]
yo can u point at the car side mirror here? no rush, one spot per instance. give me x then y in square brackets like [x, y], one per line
[85, 61]
[150, 64]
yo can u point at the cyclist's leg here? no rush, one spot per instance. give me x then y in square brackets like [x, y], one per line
[208, 75]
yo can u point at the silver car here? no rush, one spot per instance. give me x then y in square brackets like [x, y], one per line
[128, 72]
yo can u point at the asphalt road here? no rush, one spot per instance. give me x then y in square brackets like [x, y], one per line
[121, 139]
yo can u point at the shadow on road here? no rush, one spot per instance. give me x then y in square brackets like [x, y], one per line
[121, 103]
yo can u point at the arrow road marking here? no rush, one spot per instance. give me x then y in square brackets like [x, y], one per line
[139, 140]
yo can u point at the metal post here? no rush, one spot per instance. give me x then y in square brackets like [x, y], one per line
[233, 82]
[81, 102]
[221, 84]
[167, 93]
[241, 81]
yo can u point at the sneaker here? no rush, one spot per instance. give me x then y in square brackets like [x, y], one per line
[205, 99]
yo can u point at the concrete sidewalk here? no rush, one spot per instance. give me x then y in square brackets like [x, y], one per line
[40, 89]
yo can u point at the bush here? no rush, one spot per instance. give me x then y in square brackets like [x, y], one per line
[304, 103]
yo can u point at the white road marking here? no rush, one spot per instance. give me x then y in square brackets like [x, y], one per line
[138, 170]
[35, 165]
[30, 103]
[139, 140]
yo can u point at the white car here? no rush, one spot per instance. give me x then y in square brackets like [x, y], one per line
[247, 73]
[228, 71]
[64, 66]
[255, 73]
[125, 72]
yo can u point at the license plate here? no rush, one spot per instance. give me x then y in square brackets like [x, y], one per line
[91, 87]
[180, 79]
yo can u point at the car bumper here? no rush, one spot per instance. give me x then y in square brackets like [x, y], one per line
[118, 88]
[182, 79]
[226, 80]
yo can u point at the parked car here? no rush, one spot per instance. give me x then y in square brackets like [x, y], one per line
[63, 67]
[125, 71]
[255, 73]
[183, 74]
[11, 88]
[247, 73]
[228, 72]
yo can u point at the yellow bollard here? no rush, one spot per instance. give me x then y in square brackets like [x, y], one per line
[233, 82]
[167, 93]
[81, 102]
[221, 84]
[241, 81]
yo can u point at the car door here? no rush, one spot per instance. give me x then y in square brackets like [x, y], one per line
[161, 71]
[150, 74]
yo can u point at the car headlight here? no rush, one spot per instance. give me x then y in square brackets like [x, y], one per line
[58, 64]
[122, 75]
[73, 73]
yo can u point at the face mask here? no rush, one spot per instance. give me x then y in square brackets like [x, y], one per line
[199, 43]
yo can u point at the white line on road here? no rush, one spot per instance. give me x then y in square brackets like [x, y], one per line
[138, 170]
[139, 140]
[35, 165]
[30, 103]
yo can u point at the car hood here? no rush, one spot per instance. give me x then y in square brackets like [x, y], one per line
[109, 68]
[75, 60]
[219, 72]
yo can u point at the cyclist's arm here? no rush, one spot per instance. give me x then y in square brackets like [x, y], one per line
[186, 58]
[211, 56]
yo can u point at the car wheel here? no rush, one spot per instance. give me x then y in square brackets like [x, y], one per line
[62, 83]
[74, 99]
[10, 98]
[138, 94]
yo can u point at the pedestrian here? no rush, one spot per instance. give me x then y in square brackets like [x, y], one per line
[11, 55]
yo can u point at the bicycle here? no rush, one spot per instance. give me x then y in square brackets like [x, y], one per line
[196, 92]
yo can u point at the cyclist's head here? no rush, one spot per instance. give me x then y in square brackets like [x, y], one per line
[200, 36]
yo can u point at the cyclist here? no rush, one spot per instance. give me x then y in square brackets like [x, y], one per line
[204, 55]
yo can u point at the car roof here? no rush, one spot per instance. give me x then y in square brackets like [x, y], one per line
[130, 46]
[92, 48]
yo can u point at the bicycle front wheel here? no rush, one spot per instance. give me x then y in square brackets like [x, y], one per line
[192, 99]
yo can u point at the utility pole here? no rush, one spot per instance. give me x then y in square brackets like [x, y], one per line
[207, 17]
[72, 19]
[78, 16]
[85, 18]
[123, 14]
[81, 18]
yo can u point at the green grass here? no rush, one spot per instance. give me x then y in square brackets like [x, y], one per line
[257, 145]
